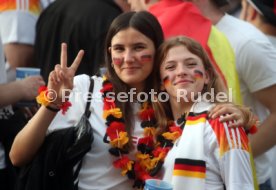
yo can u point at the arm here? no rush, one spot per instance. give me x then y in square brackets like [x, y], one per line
[17, 30]
[260, 80]
[30, 138]
[19, 55]
[236, 169]
[231, 153]
[25, 89]
[267, 129]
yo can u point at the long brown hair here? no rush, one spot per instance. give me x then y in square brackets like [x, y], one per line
[195, 48]
[148, 25]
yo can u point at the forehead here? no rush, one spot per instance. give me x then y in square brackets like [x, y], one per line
[180, 52]
[129, 36]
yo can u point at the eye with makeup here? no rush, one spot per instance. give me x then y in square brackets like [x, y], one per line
[118, 48]
[191, 63]
[170, 66]
[139, 47]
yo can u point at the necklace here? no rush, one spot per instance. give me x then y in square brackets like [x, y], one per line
[150, 152]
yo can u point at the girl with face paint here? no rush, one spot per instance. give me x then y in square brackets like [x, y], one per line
[126, 149]
[208, 154]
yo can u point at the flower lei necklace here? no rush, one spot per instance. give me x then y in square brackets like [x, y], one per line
[150, 152]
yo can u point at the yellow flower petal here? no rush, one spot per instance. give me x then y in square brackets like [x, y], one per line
[42, 99]
[120, 141]
[127, 168]
[149, 131]
[171, 136]
[141, 156]
[116, 112]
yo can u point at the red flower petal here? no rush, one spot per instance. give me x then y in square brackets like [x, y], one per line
[147, 114]
[42, 88]
[146, 140]
[159, 150]
[253, 129]
[175, 129]
[121, 163]
[114, 129]
[108, 87]
[65, 106]
[108, 104]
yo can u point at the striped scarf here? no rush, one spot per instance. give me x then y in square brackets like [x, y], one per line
[190, 166]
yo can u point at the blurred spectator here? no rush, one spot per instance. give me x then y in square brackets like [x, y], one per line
[255, 59]
[17, 30]
[10, 122]
[233, 7]
[82, 25]
[262, 14]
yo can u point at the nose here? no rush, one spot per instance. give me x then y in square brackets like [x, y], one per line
[181, 70]
[129, 57]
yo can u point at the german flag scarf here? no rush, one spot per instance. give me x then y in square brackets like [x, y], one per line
[190, 166]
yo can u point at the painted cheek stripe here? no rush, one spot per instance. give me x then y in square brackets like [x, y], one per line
[146, 58]
[166, 81]
[198, 74]
[117, 61]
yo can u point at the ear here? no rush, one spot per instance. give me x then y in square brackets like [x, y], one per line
[254, 15]
[109, 49]
[251, 13]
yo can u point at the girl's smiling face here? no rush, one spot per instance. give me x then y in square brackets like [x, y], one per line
[132, 56]
[183, 70]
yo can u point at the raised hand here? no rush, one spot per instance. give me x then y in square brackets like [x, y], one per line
[61, 78]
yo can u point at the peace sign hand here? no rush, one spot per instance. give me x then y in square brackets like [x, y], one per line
[61, 78]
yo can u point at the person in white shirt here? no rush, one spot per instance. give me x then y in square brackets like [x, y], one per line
[17, 29]
[262, 15]
[206, 154]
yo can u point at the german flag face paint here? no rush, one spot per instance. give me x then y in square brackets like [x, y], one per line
[198, 74]
[166, 81]
[146, 59]
[117, 61]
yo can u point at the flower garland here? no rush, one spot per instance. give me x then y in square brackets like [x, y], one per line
[43, 99]
[150, 152]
